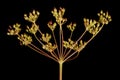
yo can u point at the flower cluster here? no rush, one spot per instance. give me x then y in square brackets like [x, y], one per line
[49, 47]
[14, 30]
[33, 29]
[58, 14]
[71, 26]
[58, 49]
[104, 18]
[73, 45]
[92, 26]
[51, 25]
[25, 39]
[32, 17]
[46, 37]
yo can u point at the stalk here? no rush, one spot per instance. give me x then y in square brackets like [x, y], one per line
[60, 70]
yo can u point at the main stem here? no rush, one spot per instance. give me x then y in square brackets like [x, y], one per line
[60, 70]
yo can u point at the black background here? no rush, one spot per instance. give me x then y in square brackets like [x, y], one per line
[96, 61]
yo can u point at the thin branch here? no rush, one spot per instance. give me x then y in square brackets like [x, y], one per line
[40, 31]
[94, 35]
[33, 47]
[38, 40]
[80, 38]
[85, 44]
[60, 41]
[55, 42]
[53, 54]
[69, 56]
[73, 57]
[67, 48]
[71, 34]
[75, 44]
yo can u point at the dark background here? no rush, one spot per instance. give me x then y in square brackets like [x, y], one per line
[96, 61]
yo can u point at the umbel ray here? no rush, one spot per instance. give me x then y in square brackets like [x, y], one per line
[63, 50]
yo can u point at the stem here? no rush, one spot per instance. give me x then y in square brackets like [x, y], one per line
[62, 41]
[60, 70]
